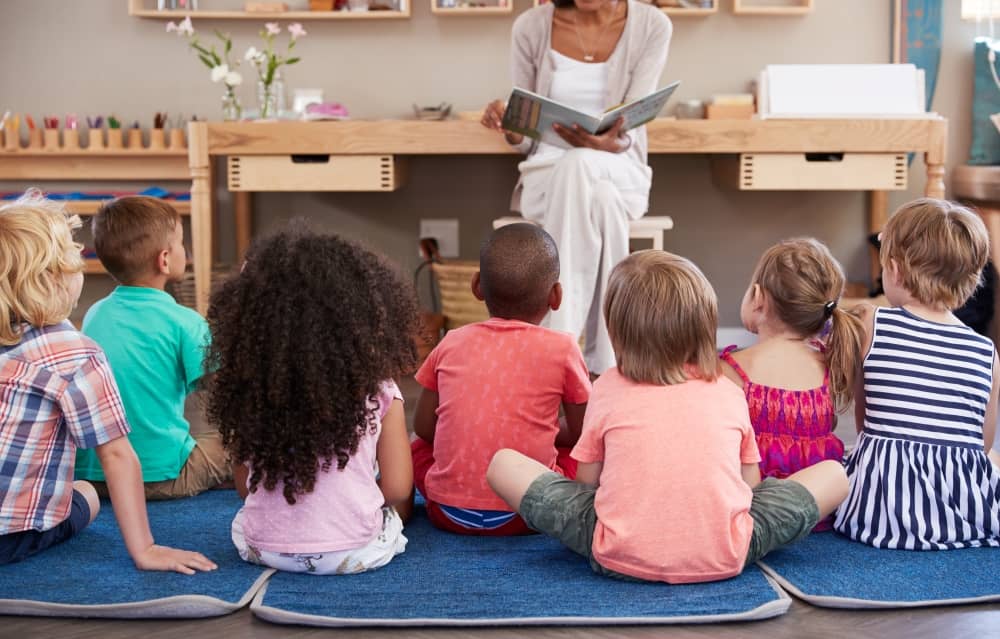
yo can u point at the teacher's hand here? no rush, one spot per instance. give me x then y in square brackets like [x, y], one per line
[610, 141]
[493, 119]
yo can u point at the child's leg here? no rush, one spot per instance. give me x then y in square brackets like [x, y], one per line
[90, 494]
[510, 474]
[786, 510]
[83, 509]
[826, 482]
[206, 467]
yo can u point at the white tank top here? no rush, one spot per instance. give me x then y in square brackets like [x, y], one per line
[581, 85]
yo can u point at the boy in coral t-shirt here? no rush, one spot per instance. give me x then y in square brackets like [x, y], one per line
[499, 384]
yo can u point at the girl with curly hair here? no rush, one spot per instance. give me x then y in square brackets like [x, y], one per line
[307, 340]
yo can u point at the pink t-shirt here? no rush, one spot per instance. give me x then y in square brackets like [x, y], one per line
[343, 512]
[671, 505]
[500, 384]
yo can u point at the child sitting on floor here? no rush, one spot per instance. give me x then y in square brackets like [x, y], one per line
[668, 487]
[155, 346]
[308, 338]
[794, 384]
[57, 394]
[920, 477]
[499, 384]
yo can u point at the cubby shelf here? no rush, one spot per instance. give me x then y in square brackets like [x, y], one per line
[471, 11]
[752, 8]
[85, 208]
[690, 12]
[138, 9]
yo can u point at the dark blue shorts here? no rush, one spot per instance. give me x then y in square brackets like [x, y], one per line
[21, 545]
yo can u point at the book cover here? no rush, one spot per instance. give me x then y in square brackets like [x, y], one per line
[533, 115]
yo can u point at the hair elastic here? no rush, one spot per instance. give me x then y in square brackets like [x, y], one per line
[829, 307]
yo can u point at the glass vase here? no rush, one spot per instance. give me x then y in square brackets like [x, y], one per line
[231, 109]
[271, 97]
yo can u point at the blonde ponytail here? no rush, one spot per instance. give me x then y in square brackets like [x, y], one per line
[843, 355]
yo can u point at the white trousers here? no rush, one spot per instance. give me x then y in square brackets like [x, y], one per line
[379, 551]
[585, 199]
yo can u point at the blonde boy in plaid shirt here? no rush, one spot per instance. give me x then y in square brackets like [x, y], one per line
[57, 394]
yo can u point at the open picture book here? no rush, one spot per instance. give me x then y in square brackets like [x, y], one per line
[533, 115]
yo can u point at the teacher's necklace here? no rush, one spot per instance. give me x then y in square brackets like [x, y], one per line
[589, 57]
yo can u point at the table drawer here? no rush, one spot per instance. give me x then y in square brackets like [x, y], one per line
[315, 173]
[819, 171]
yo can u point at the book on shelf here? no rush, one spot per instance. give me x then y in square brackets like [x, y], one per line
[533, 115]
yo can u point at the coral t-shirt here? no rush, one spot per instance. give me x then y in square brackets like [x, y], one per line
[672, 504]
[500, 384]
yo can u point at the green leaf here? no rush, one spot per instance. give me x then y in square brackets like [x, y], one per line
[292, 60]
[208, 63]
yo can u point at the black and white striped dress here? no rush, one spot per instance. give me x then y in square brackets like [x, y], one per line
[919, 476]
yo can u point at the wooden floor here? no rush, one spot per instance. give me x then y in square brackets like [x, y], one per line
[958, 622]
[802, 620]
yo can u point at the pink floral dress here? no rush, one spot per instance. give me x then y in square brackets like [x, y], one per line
[794, 429]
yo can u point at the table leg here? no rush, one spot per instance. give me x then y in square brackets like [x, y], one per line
[243, 209]
[878, 215]
[201, 212]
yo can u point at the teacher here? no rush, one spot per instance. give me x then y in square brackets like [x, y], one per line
[591, 55]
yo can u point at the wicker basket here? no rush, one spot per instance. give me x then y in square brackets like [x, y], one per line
[183, 291]
[458, 305]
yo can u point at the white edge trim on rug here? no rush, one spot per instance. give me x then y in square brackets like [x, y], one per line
[276, 615]
[824, 601]
[177, 607]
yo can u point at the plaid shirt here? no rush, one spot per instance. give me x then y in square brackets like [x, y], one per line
[57, 394]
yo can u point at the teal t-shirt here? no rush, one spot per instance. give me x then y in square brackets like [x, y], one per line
[156, 348]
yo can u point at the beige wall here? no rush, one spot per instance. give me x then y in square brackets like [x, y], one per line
[88, 56]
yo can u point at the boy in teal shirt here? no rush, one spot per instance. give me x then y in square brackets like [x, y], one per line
[155, 347]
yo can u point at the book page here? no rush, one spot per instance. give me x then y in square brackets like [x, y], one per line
[638, 112]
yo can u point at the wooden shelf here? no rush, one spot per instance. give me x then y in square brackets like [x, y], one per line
[797, 8]
[86, 208]
[689, 12]
[138, 9]
[471, 11]
[93, 266]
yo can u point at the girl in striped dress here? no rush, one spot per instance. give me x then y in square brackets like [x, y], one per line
[920, 477]
[794, 383]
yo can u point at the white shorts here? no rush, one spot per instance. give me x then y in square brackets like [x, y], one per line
[379, 551]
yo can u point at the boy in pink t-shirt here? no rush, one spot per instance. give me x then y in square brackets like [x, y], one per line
[668, 486]
[499, 384]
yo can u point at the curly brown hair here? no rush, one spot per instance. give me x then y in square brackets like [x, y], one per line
[302, 338]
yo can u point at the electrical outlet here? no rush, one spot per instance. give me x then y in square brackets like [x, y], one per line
[445, 231]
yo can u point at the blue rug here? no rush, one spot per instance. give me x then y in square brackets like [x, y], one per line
[92, 575]
[452, 580]
[831, 571]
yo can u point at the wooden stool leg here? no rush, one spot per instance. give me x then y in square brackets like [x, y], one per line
[878, 215]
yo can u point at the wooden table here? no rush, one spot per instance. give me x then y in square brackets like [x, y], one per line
[927, 135]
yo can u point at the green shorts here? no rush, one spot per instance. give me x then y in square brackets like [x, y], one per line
[783, 512]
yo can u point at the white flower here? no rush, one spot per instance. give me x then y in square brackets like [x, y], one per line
[296, 30]
[220, 72]
[251, 55]
[171, 26]
[272, 28]
[234, 79]
[185, 27]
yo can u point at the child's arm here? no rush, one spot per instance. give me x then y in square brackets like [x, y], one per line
[240, 476]
[572, 426]
[395, 463]
[990, 425]
[425, 416]
[124, 479]
[589, 473]
[751, 474]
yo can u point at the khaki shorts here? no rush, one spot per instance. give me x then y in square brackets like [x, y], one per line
[207, 467]
[783, 512]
